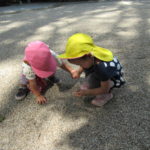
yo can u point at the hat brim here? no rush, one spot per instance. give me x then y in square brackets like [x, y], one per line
[102, 53]
[43, 74]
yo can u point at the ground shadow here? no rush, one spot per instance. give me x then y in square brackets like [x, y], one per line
[123, 123]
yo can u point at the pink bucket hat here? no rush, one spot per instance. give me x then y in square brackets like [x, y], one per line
[38, 55]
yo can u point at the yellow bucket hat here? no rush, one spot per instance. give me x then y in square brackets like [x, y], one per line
[80, 44]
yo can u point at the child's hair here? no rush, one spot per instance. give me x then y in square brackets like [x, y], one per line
[83, 57]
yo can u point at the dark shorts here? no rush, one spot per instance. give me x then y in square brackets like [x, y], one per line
[94, 80]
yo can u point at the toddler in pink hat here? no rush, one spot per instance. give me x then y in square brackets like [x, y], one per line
[38, 67]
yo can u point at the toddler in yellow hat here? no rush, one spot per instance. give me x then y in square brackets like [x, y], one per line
[103, 71]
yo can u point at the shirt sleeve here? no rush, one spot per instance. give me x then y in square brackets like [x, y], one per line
[58, 60]
[28, 72]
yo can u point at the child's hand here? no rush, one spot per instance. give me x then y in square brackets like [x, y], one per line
[75, 74]
[80, 93]
[41, 99]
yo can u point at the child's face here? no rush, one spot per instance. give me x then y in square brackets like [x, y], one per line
[84, 63]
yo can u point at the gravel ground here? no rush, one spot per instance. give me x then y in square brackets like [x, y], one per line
[66, 122]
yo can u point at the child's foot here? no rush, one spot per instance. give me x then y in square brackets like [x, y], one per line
[85, 85]
[22, 93]
[101, 100]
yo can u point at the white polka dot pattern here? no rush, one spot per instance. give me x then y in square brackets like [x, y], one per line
[112, 64]
[122, 79]
[122, 71]
[118, 73]
[114, 70]
[105, 64]
[115, 60]
[118, 66]
[117, 84]
[118, 81]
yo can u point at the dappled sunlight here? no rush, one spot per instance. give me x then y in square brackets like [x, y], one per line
[148, 31]
[9, 68]
[40, 37]
[70, 20]
[147, 80]
[60, 24]
[125, 3]
[67, 122]
[42, 33]
[64, 30]
[134, 88]
[58, 129]
[46, 28]
[148, 20]
[129, 22]
[8, 41]
[108, 14]
[5, 22]
[101, 11]
[11, 26]
[104, 21]
[9, 76]
[128, 34]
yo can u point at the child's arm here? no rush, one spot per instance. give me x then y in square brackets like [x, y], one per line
[62, 64]
[74, 73]
[105, 87]
[34, 88]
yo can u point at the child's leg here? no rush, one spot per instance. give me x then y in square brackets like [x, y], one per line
[23, 90]
[44, 83]
[91, 81]
[23, 81]
[53, 79]
[102, 99]
[41, 83]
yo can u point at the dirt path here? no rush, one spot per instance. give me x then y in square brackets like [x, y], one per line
[68, 123]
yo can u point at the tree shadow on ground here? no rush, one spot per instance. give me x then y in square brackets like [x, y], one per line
[123, 123]
[12, 42]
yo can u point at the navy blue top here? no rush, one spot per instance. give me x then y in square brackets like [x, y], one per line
[111, 70]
